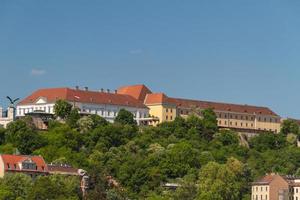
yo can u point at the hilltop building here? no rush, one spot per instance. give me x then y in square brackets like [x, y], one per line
[243, 118]
[148, 107]
[104, 103]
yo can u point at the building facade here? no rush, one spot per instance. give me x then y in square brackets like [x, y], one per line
[274, 186]
[6, 116]
[105, 104]
[30, 165]
[243, 118]
[270, 187]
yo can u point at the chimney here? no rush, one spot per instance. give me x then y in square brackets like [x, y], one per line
[77, 87]
[108, 90]
[86, 88]
[116, 91]
[102, 90]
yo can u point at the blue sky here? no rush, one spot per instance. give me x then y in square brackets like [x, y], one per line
[229, 51]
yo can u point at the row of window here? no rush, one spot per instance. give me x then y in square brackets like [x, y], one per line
[293, 190]
[167, 117]
[49, 109]
[293, 198]
[262, 197]
[242, 125]
[23, 111]
[25, 166]
[242, 117]
[169, 109]
[236, 123]
[261, 188]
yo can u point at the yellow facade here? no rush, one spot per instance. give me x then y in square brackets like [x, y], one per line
[232, 120]
[165, 113]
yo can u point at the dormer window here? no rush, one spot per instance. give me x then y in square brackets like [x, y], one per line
[8, 166]
[29, 164]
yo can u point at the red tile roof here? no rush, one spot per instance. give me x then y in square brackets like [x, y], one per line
[137, 91]
[14, 160]
[93, 97]
[267, 179]
[62, 169]
[156, 98]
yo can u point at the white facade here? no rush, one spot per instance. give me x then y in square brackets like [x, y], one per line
[4, 120]
[260, 192]
[107, 111]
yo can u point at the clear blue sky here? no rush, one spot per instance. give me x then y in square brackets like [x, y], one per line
[230, 51]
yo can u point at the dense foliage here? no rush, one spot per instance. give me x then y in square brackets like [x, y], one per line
[205, 162]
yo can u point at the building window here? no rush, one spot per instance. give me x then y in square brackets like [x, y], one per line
[246, 124]
[220, 115]
[8, 166]
[236, 117]
[230, 123]
[241, 123]
[225, 122]
[236, 123]
[251, 125]
[167, 110]
[171, 110]
[181, 112]
[225, 116]
[171, 117]
[15, 166]
[266, 188]
[246, 117]
[242, 117]
[259, 118]
[265, 119]
[167, 117]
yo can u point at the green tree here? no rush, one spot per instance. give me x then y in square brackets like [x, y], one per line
[16, 186]
[2, 135]
[23, 136]
[218, 182]
[85, 124]
[62, 109]
[98, 121]
[55, 187]
[266, 141]
[73, 118]
[125, 117]
[289, 126]
[210, 123]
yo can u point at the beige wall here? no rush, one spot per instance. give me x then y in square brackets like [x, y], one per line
[167, 112]
[163, 112]
[1, 167]
[260, 192]
[295, 193]
[248, 121]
